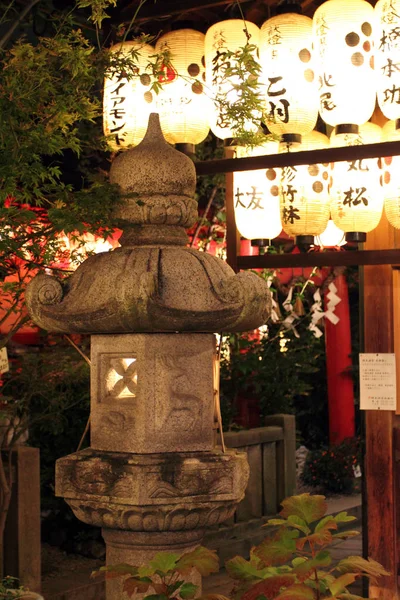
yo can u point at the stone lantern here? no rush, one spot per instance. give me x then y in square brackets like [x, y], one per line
[152, 478]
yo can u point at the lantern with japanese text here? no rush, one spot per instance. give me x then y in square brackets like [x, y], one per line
[256, 198]
[128, 102]
[391, 175]
[289, 74]
[304, 197]
[222, 39]
[387, 56]
[182, 103]
[343, 41]
[355, 188]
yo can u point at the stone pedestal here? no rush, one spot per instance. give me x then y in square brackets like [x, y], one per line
[152, 478]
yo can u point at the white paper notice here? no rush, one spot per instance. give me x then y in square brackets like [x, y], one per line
[4, 366]
[377, 382]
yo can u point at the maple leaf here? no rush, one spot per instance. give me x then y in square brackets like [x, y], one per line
[269, 587]
[343, 535]
[343, 517]
[279, 549]
[322, 533]
[340, 584]
[188, 591]
[239, 568]
[306, 567]
[113, 571]
[309, 508]
[204, 560]
[133, 585]
[298, 591]
[163, 562]
[371, 568]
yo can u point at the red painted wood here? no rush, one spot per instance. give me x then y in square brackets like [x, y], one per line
[338, 367]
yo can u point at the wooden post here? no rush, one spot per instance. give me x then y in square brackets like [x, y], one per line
[22, 551]
[232, 234]
[382, 496]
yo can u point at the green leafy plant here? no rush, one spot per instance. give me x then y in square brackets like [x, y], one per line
[9, 589]
[165, 575]
[332, 468]
[294, 563]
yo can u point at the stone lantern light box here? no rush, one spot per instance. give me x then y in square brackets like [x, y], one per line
[151, 478]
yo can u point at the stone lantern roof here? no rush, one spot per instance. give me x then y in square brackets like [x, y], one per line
[153, 282]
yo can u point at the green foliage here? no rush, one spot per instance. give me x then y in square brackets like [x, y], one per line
[164, 574]
[9, 589]
[294, 562]
[332, 468]
[291, 564]
[278, 369]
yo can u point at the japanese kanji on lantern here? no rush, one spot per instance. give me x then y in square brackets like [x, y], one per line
[390, 177]
[387, 56]
[304, 197]
[128, 102]
[355, 188]
[221, 39]
[289, 74]
[182, 103]
[343, 41]
[256, 198]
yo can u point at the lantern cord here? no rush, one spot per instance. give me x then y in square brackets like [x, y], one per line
[89, 363]
[78, 349]
[218, 417]
[209, 203]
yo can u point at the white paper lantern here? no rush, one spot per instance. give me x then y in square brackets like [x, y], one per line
[355, 188]
[332, 237]
[223, 37]
[182, 102]
[387, 56]
[304, 196]
[256, 197]
[289, 74]
[127, 104]
[343, 41]
[391, 175]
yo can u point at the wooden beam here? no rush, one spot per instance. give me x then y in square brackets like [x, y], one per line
[290, 159]
[382, 496]
[321, 259]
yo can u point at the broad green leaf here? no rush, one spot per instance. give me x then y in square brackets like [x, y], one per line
[343, 517]
[188, 591]
[326, 523]
[132, 586]
[275, 522]
[298, 560]
[298, 523]
[304, 569]
[269, 587]
[279, 549]
[309, 508]
[298, 591]
[164, 562]
[116, 571]
[241, 569]
[204, 560]
[322, 534]
[371, 568]
[340, 584]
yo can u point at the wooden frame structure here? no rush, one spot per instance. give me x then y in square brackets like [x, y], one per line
[380, 260]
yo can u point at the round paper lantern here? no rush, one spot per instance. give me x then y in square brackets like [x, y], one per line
[355, 189]
[332, 237]
[182, 102]
[343, 41]
[127, 104]
[391, 175]
[304, 196]
[289, 74]
[387, 56]
[221, 39]
[256, 198]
